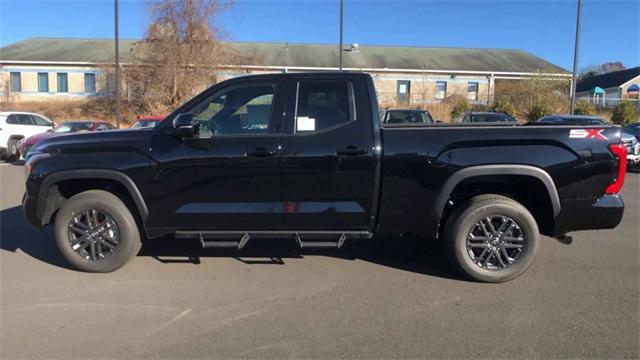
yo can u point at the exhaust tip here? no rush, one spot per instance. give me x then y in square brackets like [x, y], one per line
[565, 239]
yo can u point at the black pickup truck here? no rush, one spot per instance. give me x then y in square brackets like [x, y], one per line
[305, 155]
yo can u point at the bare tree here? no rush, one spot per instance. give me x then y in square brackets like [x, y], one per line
[5, 92]
[179, 55]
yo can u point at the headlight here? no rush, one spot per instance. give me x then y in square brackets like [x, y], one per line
[32, 158]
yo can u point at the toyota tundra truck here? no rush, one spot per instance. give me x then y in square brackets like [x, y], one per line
[305, 155]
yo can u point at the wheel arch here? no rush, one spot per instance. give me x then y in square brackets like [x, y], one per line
[48, 195]
[501, 169]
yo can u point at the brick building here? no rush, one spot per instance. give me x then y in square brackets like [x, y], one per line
[59, 68]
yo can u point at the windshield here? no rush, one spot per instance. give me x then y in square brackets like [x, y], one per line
[578, 121]
[408, 117]
[73, 127]
[492, 118]
[145, 123]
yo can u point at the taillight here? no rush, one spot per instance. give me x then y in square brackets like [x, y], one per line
[620, 152]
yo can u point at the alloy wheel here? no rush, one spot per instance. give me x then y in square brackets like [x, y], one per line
[93, 234]
[495, 242]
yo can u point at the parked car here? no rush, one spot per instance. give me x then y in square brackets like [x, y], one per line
[16, 125]
[633, 129]
[305, 155]
[66, 127]
[406, 116]
[572, 120]
[633, 148]
[486, 117]
[147, 122]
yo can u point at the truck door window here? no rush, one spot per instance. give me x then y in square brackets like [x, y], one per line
[239, 110]
[322, 105]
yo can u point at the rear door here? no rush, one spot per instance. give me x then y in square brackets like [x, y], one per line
[327, 162]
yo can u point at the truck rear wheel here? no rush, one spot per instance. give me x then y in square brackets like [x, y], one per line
[96, 232]
[491, 238]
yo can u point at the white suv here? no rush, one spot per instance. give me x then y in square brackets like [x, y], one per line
[15, 125]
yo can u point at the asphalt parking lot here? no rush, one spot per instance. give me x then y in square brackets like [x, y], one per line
[272, 300]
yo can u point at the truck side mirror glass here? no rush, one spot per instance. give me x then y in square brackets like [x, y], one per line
[184, 127]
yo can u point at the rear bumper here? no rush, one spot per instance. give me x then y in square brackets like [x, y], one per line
[604, 212]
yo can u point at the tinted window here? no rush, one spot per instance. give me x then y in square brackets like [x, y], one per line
[145, 123]
[62, 82]
[582, 121]
[73, 127]
[102, 127]
[24, 119]
[13, 120]
[408, 117]
[491, 118]
[90, 83]
[16, 83]
[322, 105]
[43, 82]
[40, 120]
[238, 110]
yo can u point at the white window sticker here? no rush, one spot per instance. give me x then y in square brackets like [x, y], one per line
[402, 89]
[305, 123]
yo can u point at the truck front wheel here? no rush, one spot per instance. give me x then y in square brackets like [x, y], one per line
[96, 232]
[491, 238]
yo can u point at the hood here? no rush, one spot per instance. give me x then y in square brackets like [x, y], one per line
[92, 142]
[37, 137]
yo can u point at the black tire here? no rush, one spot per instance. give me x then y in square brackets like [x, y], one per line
[12, 150]
[127, 246]
[465, 219]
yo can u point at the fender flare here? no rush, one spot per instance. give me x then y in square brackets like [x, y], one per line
[114, 175]
[502, 169]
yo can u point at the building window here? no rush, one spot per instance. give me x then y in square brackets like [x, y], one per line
[472, 91]
[16, 83]
[441, 89]
[62, 83]
[90, 83]
[43, 82]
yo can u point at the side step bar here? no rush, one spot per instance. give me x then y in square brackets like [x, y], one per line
[225, 244]
[225, 239]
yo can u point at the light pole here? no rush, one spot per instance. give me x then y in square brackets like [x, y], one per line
[117, 66]
[575, 59]
[340, 45]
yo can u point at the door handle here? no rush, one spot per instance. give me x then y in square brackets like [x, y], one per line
[351, 151]
[260, 152]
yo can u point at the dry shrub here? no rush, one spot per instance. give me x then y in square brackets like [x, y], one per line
[535, 95]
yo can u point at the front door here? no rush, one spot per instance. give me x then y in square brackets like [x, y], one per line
[327, 163]
[227, 178]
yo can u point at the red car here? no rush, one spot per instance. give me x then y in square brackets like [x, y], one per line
[65, 128]
[147, 122]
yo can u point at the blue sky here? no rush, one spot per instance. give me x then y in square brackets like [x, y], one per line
[611, 29]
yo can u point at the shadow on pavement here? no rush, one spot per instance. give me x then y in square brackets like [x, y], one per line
[16, 233]
[395, 252]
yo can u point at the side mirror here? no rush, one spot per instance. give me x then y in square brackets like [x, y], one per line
[184, 127]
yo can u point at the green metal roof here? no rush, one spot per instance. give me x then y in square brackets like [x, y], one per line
[298, 55]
